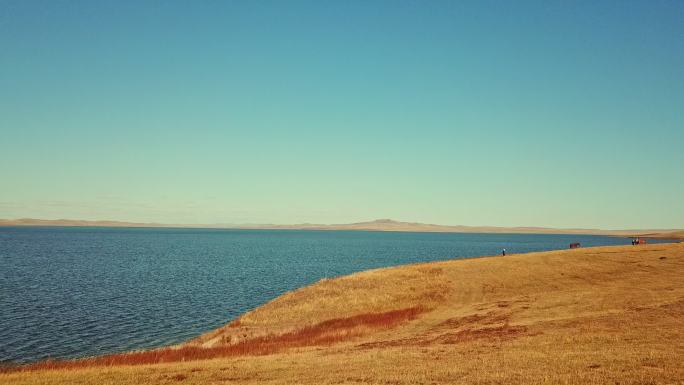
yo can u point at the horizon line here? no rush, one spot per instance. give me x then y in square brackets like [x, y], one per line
[372, 225]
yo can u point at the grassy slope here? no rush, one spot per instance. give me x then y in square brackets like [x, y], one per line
[595, 315]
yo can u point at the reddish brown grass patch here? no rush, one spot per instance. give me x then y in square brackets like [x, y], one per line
[324, 333]
[489, 326]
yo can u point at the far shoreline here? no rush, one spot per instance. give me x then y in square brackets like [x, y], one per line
[380, 225]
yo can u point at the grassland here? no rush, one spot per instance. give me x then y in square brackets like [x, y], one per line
[608, 315]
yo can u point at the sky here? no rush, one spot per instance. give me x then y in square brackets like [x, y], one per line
[525, 113]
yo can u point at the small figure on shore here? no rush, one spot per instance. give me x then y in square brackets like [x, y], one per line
[503, 252]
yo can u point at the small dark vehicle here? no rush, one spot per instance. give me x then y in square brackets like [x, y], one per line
[575, 245]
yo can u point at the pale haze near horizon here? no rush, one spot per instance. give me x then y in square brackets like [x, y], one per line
[473, 113]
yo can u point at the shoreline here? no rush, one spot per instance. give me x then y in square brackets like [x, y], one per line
[402, 306]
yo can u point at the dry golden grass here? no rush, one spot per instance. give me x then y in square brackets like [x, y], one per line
[604, 315]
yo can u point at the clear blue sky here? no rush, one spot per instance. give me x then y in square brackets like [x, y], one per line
[548, 113]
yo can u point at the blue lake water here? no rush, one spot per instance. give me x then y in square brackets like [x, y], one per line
[74, 292]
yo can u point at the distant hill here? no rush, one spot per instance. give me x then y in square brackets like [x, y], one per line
[376, 225]
[392, 225]
[663, 235]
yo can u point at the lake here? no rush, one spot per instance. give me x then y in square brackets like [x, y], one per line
[70, 292]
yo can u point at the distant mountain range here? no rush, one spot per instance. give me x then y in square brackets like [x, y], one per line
[376, 225]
